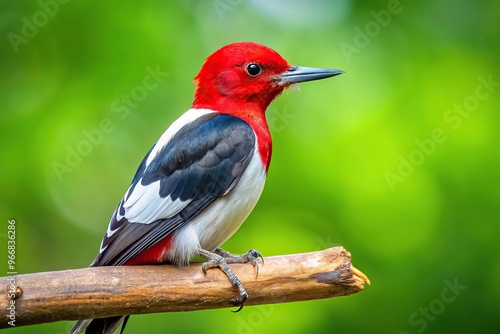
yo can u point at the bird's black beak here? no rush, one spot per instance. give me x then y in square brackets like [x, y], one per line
[296, 74]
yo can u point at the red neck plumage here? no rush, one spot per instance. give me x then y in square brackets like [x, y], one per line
[250, 112]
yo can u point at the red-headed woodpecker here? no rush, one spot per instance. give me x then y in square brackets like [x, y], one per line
[203, 177]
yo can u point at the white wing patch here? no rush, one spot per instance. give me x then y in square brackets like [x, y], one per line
[146, 206]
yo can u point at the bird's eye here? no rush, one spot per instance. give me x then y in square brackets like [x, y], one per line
[253, 69]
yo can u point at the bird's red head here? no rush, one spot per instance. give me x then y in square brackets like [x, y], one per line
[246, 77]
[238, 76]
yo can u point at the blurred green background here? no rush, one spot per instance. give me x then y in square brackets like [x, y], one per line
[397, 160]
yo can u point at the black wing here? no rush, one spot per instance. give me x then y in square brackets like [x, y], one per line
[201, 162]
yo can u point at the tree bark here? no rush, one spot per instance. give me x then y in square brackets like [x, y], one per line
[109, 291]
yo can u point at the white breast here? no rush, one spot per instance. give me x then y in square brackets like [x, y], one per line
[222, 218]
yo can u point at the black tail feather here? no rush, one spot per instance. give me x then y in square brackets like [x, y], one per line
[100, 326]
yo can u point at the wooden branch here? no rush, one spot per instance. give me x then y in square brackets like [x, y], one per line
[108, 291]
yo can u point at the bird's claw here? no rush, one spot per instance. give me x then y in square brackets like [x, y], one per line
[239, 301]
[251, 256]
[215, 262]
[220, 258]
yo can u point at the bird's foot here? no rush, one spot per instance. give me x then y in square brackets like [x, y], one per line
[220, 258]
[251, 256]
